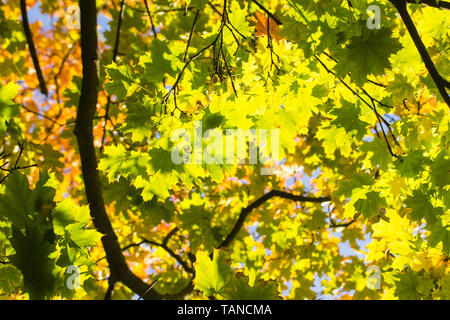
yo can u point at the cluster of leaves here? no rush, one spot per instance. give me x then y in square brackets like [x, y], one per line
[360, 122]
[214, 277]
[42, 238]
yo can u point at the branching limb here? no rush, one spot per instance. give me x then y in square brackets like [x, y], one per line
[333, 223]
[42, 115]
[217, 46]
[164, 246]
[260, 201]
[270, 47]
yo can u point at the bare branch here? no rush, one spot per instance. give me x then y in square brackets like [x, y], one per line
[190, 34]
[164, 246]
[260, 201]
[31, 47]
[151, 19]
[218, 40]
[440, 82]
[41, 115]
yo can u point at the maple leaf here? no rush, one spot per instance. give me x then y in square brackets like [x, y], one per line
[8, 109]
[261, 20]
[211, 275]
[95, 152]
[347, 116]
[440, 233]
[367, 54]
[422, 207]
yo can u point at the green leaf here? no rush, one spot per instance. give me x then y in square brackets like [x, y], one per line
[317, 220]
[8, 108]
[237, 18]
[421, 207]
[401, 89]
[122, 81]
[157, 63]
[444, 288]
[367, 54]
[10, 278]
[21, 205]
[63, 216]
[198, 221]
[83, 237]
[347, 117]
[200, 4]
[211, 276]
[364, 201]
[440, 233]
[412, 164]
[17, 202]
[377, 153]
[239, 289]
[439, 170]
[370, 204]
[335, 138]
[32, 259]
[408, 286]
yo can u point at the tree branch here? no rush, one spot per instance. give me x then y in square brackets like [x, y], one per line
[31, 47]
[278, 21]
[15, 167]
[42, 115]
[216, 58]
[260, 201]
[151, 19]
[83, 131]
[440, 82]
[432, 3]
[372, 107]
[164, 246]
[190, 34]
[111, 283]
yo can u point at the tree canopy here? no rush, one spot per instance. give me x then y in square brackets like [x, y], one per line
[98, 97]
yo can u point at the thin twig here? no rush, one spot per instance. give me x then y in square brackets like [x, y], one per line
[114, 57]
[371, 106]
[151, 19]
[190, 34]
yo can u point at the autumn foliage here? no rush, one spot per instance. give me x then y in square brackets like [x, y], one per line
[92, 205]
